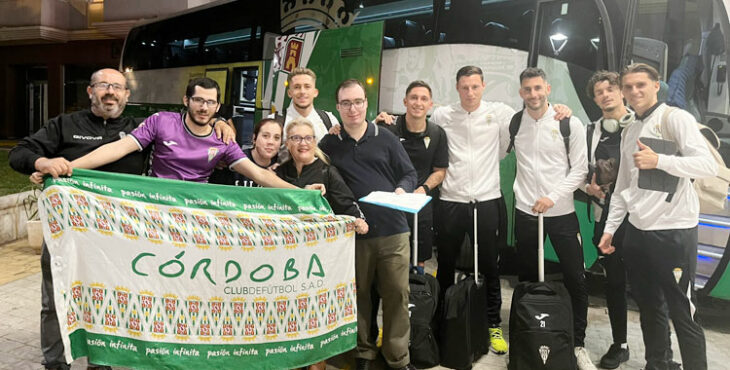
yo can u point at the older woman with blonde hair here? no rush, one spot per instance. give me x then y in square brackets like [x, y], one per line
[307, 164]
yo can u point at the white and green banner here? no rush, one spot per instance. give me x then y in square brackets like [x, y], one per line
[155, 273]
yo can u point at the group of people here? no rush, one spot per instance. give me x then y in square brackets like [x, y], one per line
[454, 157]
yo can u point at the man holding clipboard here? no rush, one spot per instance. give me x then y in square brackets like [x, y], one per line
[372, 159]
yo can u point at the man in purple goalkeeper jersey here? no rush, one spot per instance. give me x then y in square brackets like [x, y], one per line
[185, 148]
[179, 153]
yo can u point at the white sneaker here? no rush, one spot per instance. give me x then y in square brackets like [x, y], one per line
[583, 359]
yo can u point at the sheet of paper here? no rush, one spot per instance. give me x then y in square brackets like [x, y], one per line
[409, 202]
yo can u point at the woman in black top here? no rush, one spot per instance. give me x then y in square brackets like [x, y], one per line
[266, 143]
[308, 165]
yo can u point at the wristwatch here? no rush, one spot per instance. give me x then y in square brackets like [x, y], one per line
[426, 188]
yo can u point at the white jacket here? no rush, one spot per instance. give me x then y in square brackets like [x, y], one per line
[647, 209]
[542, 164]
[475, 148]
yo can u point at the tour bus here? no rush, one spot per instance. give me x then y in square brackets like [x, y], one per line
[249, 48]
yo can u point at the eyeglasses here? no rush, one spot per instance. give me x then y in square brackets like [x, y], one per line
[357, 103]
[298, 139]
[105, 85]
[200, 101]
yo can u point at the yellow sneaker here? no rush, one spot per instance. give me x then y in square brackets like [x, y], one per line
[497, 343]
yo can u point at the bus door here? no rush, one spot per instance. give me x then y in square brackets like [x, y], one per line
[244, 89]
[570, 41]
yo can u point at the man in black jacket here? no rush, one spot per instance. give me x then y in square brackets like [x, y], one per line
[63, 139]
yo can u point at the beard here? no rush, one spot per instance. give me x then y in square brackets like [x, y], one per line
[302, 106]
[107, 110]
[195, 120]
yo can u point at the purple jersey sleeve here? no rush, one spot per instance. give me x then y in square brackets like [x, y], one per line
[147, 131]
[233, 153]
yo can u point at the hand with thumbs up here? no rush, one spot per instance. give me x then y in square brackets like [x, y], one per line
[645, 158]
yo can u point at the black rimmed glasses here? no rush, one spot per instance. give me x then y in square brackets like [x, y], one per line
[357, 103]
[105, 85]
[200, 101]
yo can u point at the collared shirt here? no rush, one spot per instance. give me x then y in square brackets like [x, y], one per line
[542, 164]
[178, 153]
[376, 162]
[427, 149]
[476, 145]
[648, 209]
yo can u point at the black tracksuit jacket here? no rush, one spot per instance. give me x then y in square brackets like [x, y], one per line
[74, 135]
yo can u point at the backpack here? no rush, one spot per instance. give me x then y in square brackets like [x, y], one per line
[514, 127]
[281, 118]
[711, 191]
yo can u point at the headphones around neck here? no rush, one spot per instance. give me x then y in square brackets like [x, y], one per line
[612, 126]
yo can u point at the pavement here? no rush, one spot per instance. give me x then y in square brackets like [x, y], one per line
[20, 298]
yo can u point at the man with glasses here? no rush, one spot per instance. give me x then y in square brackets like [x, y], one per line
[48, 151]
[184, 145]
[371, 159]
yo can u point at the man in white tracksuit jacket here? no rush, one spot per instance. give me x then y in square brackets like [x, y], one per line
[472, 182]
[660, 244]
[547, 175]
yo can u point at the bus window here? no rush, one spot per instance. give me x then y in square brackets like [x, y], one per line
[685, 29]
[407, 22]
[230, 46]
[570, 48]
[499, 23]
[227, 33]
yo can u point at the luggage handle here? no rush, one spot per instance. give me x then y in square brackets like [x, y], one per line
[476, 248]
[541, 289]
[540, 249]
[415, 240]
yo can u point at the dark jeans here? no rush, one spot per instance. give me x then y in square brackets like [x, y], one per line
[564, 234]
[661, 269]
[455, 221]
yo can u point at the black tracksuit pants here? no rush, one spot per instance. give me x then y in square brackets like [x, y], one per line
[661, 267]
[615, 281]
[455, 221]
[564, 234]
[51, 342]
